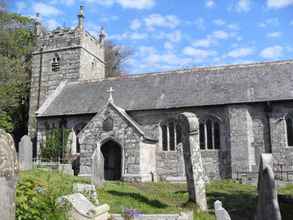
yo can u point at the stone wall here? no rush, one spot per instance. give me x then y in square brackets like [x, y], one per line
[244, 130]
[170, 163]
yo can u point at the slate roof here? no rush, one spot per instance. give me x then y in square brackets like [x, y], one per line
[244, 83]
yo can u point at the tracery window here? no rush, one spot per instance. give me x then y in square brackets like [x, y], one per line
[289, 127]
[209, 134]
[56, 63]
[171, 135]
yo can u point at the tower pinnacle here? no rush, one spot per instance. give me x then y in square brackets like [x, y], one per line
[80, 19]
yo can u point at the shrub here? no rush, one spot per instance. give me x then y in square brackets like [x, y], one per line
[55, 143]
[37, 192]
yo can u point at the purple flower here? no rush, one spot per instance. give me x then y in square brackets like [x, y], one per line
[131, 213]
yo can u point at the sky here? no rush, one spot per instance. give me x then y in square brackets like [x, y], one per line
[175, 34]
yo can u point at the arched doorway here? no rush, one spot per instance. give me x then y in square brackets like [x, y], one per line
[111, 151]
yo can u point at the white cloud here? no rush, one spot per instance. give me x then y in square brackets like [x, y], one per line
[157, 20]
[212, 39]
[174, 36]
[219, 22]
[240, 52]
[220, 34]
[46, 10]
[210, 3]
[65, 2]
[135, 24]
[137, 4]
[20, 6]
[272, 52]
[242, 6]
[198, 54]
[279, 3]
[168, 45]
[269, 23]
[233, 26]
[52, 24]
[151, 59]
[205, 42]
[274, 34]
[133, 4]
[129, 36]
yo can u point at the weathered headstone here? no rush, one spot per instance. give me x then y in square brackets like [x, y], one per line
[83, 209]
[221, 213]
[267, 200]
[25, 154]
[192, 159]
[87, 190]
[8, 176]
[97, 175]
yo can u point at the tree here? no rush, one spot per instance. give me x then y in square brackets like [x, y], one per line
[115, 58]
[16, 43]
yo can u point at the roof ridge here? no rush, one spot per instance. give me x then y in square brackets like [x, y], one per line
[193, 69]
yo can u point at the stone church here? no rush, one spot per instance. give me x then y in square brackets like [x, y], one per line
[243, 110]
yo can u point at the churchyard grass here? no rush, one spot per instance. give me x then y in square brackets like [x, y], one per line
[38, 190]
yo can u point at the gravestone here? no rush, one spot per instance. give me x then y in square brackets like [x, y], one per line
[87, 190]
[97, 172]
[267, 200]
[25, 154]
[82, 209]
[221, 213]
[192, 159]
[8, 176]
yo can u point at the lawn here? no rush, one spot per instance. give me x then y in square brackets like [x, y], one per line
[238, 199]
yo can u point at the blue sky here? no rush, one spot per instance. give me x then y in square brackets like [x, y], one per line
[173, 34]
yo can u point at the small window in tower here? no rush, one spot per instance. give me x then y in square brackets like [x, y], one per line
[56, 63]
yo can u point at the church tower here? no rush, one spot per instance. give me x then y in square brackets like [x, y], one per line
[63, 54]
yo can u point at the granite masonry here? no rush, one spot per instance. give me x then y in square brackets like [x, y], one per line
[8, 176]
[135, 122]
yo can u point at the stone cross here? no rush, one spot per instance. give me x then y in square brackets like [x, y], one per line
[192, 159]
[97, 172]
[267, 200]
[110, 91]
[8, 176]
[221, 213]
[25, 154]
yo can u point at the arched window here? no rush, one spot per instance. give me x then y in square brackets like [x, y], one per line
[209, 134]
[171, 135]
[56, 63]
[289, 127]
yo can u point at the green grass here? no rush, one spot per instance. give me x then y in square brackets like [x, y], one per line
[238, 199]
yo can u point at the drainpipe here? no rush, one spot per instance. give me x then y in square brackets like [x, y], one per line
[268, 110]
[40, 77]
[38, 102]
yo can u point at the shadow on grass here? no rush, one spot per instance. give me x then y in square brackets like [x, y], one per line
[139, 198]
[181, 192]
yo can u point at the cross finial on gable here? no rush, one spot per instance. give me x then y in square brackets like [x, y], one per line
[110, 91]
